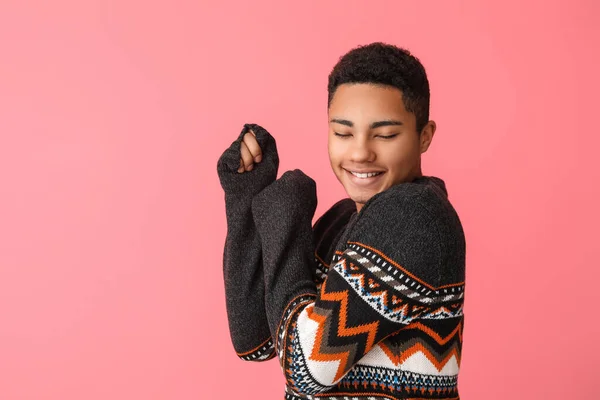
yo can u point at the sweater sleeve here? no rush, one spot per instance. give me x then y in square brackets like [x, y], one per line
[384, 277]
[242, 254]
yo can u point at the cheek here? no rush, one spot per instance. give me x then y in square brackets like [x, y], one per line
[393, 158]
[330, 148]
[330, 152]
[335, 154]
[333, 160]
[399, 156]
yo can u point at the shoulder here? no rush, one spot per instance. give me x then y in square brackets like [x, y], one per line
[400, 202]
[425, 198]
[397, 215]
[412, 225]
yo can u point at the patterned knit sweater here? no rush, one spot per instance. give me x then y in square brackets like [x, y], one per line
[364, 305]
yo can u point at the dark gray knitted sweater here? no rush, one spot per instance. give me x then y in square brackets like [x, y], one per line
[367, 305]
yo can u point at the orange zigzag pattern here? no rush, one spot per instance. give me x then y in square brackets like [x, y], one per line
[397, 359]
[343, 330]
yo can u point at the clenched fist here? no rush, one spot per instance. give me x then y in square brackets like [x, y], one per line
[254, 150]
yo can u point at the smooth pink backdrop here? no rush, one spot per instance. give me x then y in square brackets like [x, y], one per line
[113, 115]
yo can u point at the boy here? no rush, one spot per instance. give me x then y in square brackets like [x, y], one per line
[367, 303]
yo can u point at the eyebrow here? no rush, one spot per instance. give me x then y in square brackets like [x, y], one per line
[374, 125]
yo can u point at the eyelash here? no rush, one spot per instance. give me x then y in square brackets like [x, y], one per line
[344, 136]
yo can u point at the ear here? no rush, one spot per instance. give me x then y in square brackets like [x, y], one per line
[427, 135]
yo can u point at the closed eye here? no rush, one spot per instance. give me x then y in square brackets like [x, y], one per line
[342, 135]
[387, 136]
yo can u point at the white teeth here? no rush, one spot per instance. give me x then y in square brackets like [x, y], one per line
[364, 175]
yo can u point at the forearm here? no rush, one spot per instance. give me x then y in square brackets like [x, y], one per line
[242, 255]
[288, 260]
[244, 289]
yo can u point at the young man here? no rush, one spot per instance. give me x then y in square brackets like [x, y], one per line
[367, 303]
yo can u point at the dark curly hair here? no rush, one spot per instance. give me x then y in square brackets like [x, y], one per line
[385, 64]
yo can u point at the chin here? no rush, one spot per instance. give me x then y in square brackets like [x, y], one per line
[360, 198]
[357, 194]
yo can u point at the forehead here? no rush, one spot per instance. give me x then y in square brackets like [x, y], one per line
[367, 101]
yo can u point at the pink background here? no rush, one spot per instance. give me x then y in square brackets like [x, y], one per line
[113, 115]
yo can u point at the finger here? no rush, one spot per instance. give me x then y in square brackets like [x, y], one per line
[253, 146]
[241, 168]
[247, 157]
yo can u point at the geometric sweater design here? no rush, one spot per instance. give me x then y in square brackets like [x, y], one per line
[414, 360]
[362, 305]
[380, 325]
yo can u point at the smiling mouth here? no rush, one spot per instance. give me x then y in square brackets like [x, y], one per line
[364, 175]
[367, 176]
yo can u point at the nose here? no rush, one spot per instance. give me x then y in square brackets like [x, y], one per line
[361, 151]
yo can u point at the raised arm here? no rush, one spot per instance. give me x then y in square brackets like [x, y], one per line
[385, 277]
[242, 255]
